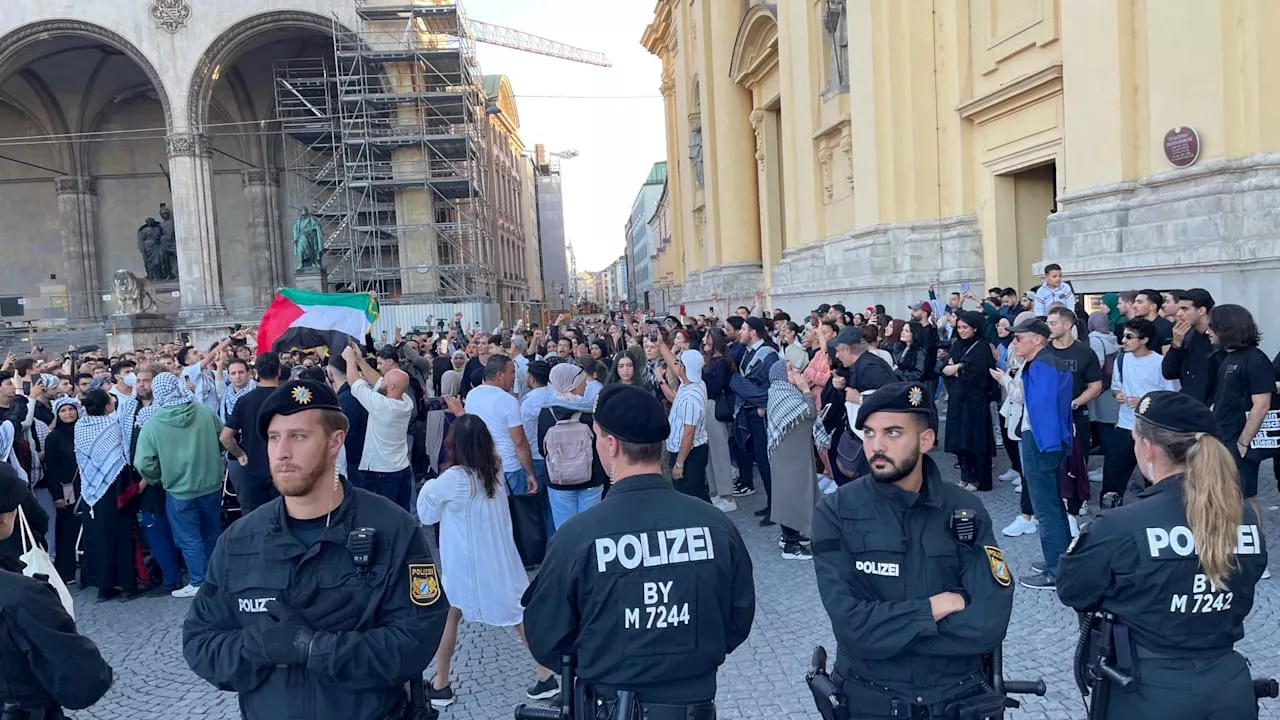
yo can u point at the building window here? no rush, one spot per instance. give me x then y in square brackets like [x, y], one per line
[835, 23]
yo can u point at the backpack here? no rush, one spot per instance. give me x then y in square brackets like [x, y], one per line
[1108, 369]
[569, 452]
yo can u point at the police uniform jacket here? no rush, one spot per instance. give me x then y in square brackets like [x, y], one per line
[880, 552]
[649, 590]
[44, 662]
[1139, 563]
[355, 672]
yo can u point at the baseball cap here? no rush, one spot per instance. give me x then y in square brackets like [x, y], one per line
[1032, 325]
[823, 309]
[922, 305]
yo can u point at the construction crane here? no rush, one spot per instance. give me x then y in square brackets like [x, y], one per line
[516, 40]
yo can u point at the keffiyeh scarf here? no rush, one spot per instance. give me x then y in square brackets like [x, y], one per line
[231, 396]
[786, 407]
[7, 455]
[102, 448]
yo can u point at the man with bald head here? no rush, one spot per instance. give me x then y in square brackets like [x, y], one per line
[384, 466]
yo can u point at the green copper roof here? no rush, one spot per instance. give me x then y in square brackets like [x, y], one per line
[490, 83]
[657, 174]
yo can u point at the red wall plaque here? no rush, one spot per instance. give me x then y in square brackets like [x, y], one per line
[1182, 146]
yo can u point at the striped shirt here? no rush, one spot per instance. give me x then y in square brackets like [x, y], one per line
[689, 408]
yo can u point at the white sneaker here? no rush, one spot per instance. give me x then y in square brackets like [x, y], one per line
[1017, 484]
[1084, 509]
[188, 591]
[1020, 526]
[1009, 475]
[1266, 574]
[1074, 524]
[1095, 475]
[723, 505]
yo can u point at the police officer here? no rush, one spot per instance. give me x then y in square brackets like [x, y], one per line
[650, 589]
[910, 573]
[45, 665]
[1176, 567]
[324, 602]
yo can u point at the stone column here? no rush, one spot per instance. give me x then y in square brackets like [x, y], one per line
[77, 212]
[269, 269]
[733, 181]
[199, 268]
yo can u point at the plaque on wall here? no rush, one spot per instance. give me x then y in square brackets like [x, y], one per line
[1182, 146]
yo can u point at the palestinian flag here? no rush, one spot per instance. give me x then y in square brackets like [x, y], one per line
[306, 319]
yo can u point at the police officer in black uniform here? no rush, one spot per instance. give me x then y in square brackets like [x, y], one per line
[45, 665]
[650, 589]
[910, 573]
[327, 601]
[1176, 568]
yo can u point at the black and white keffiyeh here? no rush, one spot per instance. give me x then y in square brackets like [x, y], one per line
[102, 448]
[786, 407]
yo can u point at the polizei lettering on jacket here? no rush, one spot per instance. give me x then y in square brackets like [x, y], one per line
[658, 547]
[253, 605]
[1178, 542]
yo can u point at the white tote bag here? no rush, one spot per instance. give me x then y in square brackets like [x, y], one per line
[38, 562]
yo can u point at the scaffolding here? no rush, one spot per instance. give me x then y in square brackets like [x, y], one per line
[384, 145]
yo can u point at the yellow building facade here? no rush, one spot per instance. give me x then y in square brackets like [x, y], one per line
[856, 149]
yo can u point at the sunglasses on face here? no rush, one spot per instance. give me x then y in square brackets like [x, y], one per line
[1130, 336]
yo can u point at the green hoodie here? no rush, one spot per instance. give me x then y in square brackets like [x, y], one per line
[178, 448]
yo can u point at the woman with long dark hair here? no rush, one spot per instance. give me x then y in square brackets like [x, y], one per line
[628, 367]
[968, 433]
[910, 358]
[1177, 568]
[715, 374]
[480, 567]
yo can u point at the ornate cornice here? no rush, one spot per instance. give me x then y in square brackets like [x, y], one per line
[189, 145]
[256, 176]
[73, 185]
[170, 15]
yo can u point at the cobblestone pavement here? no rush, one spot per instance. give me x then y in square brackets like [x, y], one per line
[762, 679]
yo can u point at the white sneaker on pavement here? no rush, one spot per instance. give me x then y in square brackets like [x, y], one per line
[1095, 475]
[1074, 525]
[1266, 574]
[187, 591]
[1020, 526]
[724, 505]
[1009, 475]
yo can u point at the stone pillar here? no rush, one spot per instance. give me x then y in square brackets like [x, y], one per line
[199, 267]
[77, 212]
[733, 181]
[269, 269]
[415, 206]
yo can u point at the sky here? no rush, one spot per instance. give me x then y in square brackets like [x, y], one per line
[612, 116]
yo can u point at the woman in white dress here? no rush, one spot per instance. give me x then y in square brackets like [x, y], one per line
[480, 568]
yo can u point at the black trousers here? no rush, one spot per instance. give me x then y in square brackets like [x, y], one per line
[1010, 446]
[67, 529]
[755, 451]
[975, 468]
[1119, 463]
[109, 545]
[1187, 689]
[694, 482]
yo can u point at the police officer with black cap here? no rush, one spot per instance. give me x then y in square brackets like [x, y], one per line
[910, 573]
[45, 665]
[325, 602]
[1171, 575]
[648, 590]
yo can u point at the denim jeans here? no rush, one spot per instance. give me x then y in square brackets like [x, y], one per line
[160, 540]
[567, 503]
[518, 482]
[396, 486]
[544, 485]
[196, 524]
[1040, 478]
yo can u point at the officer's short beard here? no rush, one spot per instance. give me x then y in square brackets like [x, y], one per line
[896, 470]
[301, 484]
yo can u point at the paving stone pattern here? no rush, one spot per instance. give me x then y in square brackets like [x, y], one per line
[762, 679]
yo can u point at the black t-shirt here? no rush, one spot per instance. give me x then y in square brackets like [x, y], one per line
[307, 531]
[244, 420]
[1080, 360]
[871, 372]
[1164, 334]
[1242, 374]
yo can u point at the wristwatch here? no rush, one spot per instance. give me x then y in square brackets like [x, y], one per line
[678, 466]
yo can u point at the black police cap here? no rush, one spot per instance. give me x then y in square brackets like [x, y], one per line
[1176, 412]
[899, 397]
[294, 397]
[12, 489]
[631, 414]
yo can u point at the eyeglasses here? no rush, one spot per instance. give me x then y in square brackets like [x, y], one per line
[1131, 336]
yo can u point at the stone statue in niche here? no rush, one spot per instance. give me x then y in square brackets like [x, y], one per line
[168, 241]
[132, 294]
[695, 152]
[307, 241]
[153, 256]
[835, 22]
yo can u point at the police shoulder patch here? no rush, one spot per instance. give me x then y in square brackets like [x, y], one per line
[424, 584]
[999, 570]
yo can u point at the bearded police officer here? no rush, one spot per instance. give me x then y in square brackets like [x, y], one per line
[650, 589]
[1171, 575]
[910, 573]
[326, 601]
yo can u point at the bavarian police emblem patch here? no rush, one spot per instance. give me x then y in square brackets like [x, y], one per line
[999, 570]
[424, 584]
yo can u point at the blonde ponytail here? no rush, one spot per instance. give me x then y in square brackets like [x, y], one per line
[1211, 495]
[1214, 506]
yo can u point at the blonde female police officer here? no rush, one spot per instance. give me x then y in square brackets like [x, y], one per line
[1176, 567]
[650, 589]
[321, 603]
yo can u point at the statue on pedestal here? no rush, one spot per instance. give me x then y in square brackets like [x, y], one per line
[153, 256]
[307, 241]
[168, 241]
[132, 294]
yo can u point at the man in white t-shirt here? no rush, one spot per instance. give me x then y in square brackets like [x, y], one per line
[493, 402]
[384, 465]
[1136, 373]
